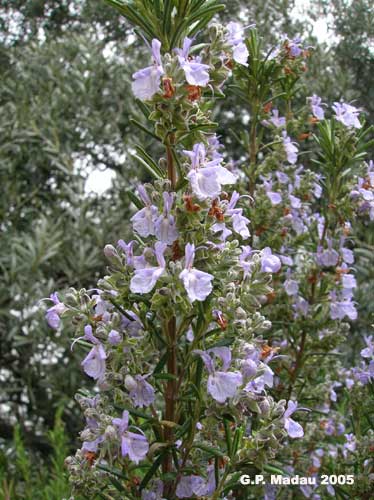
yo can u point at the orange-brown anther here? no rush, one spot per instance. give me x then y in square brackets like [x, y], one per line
[266, 350]
[271, 296]
[284, 232]
[288, 71]
[312, 278]
[176, 251]
[193, 92]
[216, 211]
[340, 270]
[190, 206]
[98, 318]
[331, 206]
[286, 211]
[222, 322]
[90, 456]
[229, 64]
[312, 470]
[313, 119]
[268, 107]
[304, 136]
[169, 89]
[260, 230]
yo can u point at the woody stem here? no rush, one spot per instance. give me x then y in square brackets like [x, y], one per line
[171, 335]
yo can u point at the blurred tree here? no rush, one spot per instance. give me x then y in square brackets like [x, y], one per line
[63, 114]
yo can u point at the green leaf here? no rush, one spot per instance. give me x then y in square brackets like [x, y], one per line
[151, 472]
[144, 129]
[149, 168]
[209, 449]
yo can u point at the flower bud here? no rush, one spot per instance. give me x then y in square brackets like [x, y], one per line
[114, 337]
[130, 383]
[240, 313]
[110, 251]
[110, 432]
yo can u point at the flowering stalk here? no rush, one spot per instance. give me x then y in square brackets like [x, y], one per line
[189, 392]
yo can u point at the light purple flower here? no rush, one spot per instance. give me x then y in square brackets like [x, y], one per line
[269, 263]
[220, 227]
[88, 336]
[198, 284]
[316, 105]
[145, 279]
[291, 287]
[295, 46]
[275, 119]
[339, 309]
[294, 429]
[368, 352]
[329, 257]
[92, 446]
[165, 228]
[235, 39]
[53, 313]
[141, 392]
[221, 384]
[239, 221]
[274, 197]
[114, 337]
[245, 260]
[128, 249]
[347, 114]
[147, 81]
[144, 220]
[266, 378]
[134, 445]
[207, 177]
[188, 486]
[350, 444]
[290, 148]
[196, 73]
[94, 363]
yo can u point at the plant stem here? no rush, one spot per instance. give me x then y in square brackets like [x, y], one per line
[298, 363]
[171, 337]
[253, 150]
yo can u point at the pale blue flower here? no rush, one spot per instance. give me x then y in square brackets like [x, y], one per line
[290, 148]
[134, 445]
[222, 384]
[144, 220]
[140, 391]
[270, 263]
[196, 73]
[235, 39]
[198, 284]
[347, 114]
[165, 228]
[294, 429]
[145, 279]
[147, 81]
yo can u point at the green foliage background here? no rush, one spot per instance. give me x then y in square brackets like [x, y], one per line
[66, 109]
